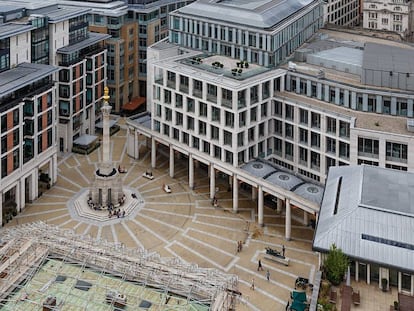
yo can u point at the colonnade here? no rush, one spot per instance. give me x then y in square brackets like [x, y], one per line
[258, 193]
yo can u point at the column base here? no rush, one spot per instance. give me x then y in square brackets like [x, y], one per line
[234, 212]
[288, 239]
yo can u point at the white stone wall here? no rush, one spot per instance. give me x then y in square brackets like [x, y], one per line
[58, 37]
[20, 49]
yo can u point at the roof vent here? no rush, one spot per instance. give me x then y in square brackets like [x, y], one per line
[410, 125]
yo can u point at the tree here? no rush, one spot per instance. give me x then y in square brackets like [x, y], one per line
[336, 264]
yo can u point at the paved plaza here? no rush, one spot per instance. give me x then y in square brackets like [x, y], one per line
[184, 223]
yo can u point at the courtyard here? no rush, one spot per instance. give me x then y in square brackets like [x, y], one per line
[185, 224]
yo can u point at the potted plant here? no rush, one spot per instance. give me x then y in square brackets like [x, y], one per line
[246, 64]
[384, 284]
[234, 71]
[240, 71]
[396, 305]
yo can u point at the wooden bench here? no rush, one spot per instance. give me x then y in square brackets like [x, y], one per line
[356, 299]
[333, 296]
[282, 260]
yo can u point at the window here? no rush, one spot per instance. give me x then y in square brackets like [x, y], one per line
[202, 128]
[178, 118]
[343, 150]
[227, 138]
[167, 97]
[190, 123]
[288, 130]
[315, 120]
[303, 116]
[227, 97]
[368, 147]
[214, 132]
[384, 21]
[396, 152]
[215, 114]
[289, 112]
[330, 145]
[303, 156]
[253, 114]
[303, 136]
[315, 160]
[203, 109]
[190, 105]
[331, 125]
[289, 151]
[178, 100]
[315, 140]
[343, 129]
[229, 119]
[254, 94]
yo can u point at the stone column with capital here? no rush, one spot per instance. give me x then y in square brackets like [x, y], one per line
[106, 166]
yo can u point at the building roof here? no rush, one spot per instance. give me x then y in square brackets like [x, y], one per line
[258, 14]
[285, 180]
[368, 212]
[388, 58]
[63, 13]
[24, 74]
[10, 29]
[93, 38]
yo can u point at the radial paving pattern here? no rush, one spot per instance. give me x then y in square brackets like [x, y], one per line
[184, 224]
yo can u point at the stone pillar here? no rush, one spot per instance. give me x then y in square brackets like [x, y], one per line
[288, 220]
[191, 172]
[212, 181]
[235, 194]
[136, 145]
[1, 209]
[357, 271]
[17, 195]
[305, 218]
[35, 184]
[254, 193]
[399, 281]
[171, 161]
[106, 165]
[279, 206]
[368, 273]
[260, 206]
[153, 153]
[55, 169]
[22, 193]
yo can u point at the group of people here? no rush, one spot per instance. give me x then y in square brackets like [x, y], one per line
[121, 200]
[121, 169]
[116, 212]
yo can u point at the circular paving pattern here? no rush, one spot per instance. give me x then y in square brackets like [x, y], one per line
[257, 165]
[312, 189]
[284, 177]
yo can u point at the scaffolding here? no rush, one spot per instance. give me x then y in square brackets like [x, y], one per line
[39, 261]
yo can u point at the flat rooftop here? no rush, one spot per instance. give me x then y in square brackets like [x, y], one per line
[11, 29]
[364, 120]
[258, 14]
[22, 75]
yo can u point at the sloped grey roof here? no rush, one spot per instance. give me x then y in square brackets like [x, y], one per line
[380, 232]
[93, 38]
[255, 13]
[285, 180]
[258, 168]
[85, 139]
[310, 191]
[10, 29]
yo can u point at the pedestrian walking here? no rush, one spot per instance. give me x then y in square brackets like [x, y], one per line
[259, 266]
[252, 286]
[241, 245]
[283, 250]
[268, 275]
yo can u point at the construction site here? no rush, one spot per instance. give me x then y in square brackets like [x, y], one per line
[43, 267]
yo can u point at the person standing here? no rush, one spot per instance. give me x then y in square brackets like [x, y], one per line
[283, 250]
[259, 266]
[268, 275]
[252, 286]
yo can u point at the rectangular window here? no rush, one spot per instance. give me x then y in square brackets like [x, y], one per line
[330, 125]
[396, 152]
[368, 147]
[303, 116]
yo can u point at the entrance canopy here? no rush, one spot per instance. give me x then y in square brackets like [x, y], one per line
[135, 103]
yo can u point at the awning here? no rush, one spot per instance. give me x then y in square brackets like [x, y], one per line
[85, 140]
[134, 103]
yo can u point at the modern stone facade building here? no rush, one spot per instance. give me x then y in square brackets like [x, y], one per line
[133, 26]
[55, 108]
[263, 33]
[344, 13]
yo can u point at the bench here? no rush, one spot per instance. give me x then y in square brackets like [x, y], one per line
[282, 260]
[356, 299]
[148, 176]
[333, 296]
